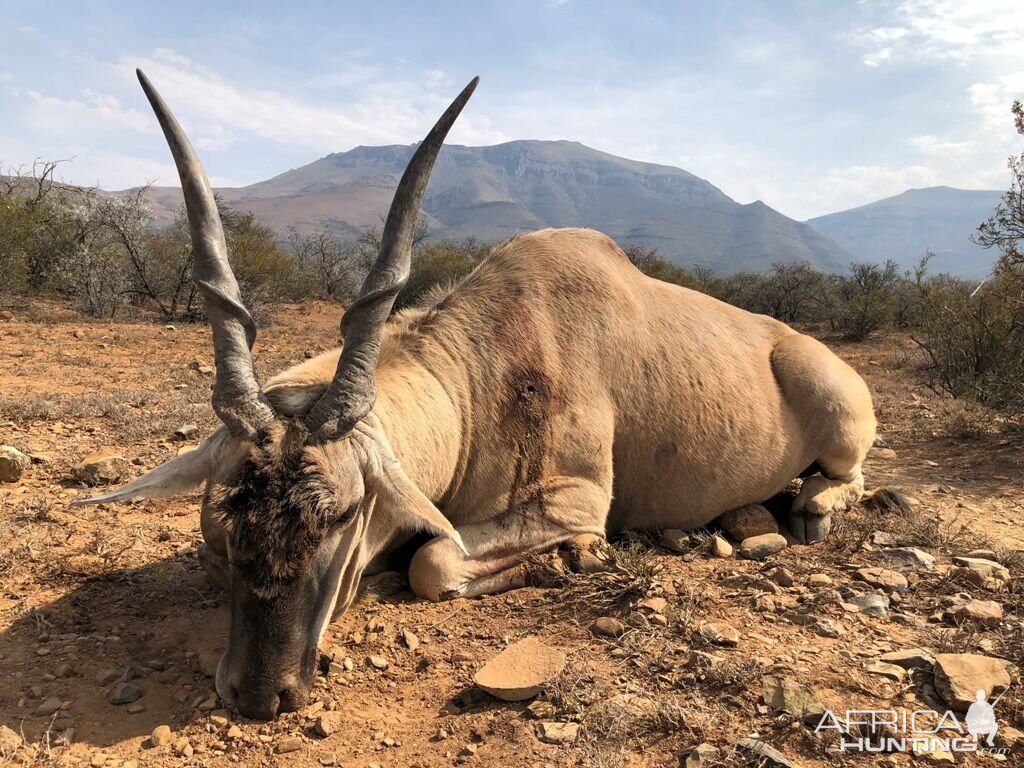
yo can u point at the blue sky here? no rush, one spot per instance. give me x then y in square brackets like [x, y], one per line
[809, 106]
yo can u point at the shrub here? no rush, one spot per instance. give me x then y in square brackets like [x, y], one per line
[865, 300]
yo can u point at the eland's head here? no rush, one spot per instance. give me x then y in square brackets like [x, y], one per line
[295, 493]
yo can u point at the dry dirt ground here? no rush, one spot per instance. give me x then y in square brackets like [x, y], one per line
[91, 594]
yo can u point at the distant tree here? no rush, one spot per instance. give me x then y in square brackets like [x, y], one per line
[332, 268]
[1004, 230]
[440, 263]
[865, 300]
[653, 264]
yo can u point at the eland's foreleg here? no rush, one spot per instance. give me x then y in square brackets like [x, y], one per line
[571, 512]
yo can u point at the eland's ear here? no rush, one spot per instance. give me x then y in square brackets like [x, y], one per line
[404, 498]
[217, 458]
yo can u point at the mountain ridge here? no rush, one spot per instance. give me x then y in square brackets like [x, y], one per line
[494, 192]
[902, 227]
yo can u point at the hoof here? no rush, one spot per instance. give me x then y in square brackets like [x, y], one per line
[584, 554]
[808, 529]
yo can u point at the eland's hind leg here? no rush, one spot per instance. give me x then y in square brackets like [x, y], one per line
[835, 424]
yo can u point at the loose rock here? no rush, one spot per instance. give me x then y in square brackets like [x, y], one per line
[871, 605]
[327, 723]
[557, 733]
[911, 658]
[762, 546]
[10, 740]
[985, 612]
[675, 540]
[721, 548]
[654, 604]
[908, 558]
[819, 580]
[160, 737]
[985, 569]
[48, 706]
[886, 670]
[883, 578]
[186, 432]
[608, 627]
[125, 693]
[411, 641]
[288, 744]
[769, 756]
[792, 698]
[12, 464]
[520, 671]
[749, 521]
[719, 633]
[702, 756]
[959, 677]
[101, 467]
[378, 662]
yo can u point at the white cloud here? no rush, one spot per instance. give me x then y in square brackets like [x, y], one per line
[395, 112]
[953, 30]
[51, 114]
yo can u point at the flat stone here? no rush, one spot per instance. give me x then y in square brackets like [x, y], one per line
[327, 723]
[125, 693]
[234, 733]
[781, 577]
[186, 432]
[885, 669]
[520, 671]
[675, 540]
[378, 662]
[288, 744]
[746, 522]
[48, 706]
[768, 755]
[410, 640]
[328, 759]
[12, 464]
[107, 676]
[557, 733]
[987, 568]
[654, 604]
[819, 580]
[985, 612]
[762, 546]
[183, 747]
[608, 627]
[983, 554]
[881, 454]
[792, 698]
[910, 658]
[871, 605]
[702, 756]
[883, 578]
[719, 633]
[101, 467]
[98, 760]
[959, 677]
[907, 558]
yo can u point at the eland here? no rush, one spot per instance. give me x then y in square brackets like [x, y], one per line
[553, 396]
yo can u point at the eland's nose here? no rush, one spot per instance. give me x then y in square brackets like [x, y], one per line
[264, 704]
[258, 706]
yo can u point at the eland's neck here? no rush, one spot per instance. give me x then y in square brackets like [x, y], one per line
[424, 419]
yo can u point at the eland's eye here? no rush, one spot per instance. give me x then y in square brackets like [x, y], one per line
[349, 514]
